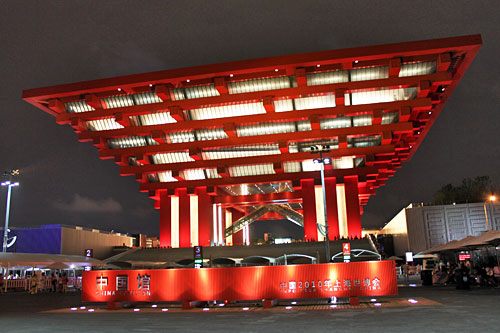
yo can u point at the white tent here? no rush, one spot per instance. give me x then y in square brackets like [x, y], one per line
[43, 260]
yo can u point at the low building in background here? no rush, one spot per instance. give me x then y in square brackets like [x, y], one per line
[417, 228]
[64, 239]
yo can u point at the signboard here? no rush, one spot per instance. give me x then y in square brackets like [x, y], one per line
[89, 253]
[198, 256]
[463, 257]
[368, 278]
[409, 256]
[346, 251]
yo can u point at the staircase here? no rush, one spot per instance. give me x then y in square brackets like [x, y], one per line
[282, 210]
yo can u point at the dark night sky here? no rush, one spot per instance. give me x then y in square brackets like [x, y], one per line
[54, 42]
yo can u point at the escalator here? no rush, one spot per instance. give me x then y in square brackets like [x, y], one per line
[282, 210]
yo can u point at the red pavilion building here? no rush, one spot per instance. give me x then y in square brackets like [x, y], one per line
[219, 146]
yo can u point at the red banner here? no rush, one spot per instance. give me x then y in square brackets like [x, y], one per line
[369, 278]
[346, 249]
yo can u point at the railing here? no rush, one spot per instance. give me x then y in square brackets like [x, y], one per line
[75, 282]
[17, 284]
[26, 284]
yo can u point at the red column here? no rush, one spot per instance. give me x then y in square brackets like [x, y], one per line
[331, 207]
[165, 220]
[352, 206]
[237, 237]
[205, 216]
[184, 218]
[309, 209]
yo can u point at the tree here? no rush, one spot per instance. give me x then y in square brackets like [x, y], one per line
[471, 190]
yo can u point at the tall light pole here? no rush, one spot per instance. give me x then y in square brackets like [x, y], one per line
[7, 209]
[492, 198]
[322, 161]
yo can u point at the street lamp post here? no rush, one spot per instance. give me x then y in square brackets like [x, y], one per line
[491, 199]
[7, 212]
[322, 161]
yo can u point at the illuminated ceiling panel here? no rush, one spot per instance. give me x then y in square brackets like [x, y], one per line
[241, 151]
[383, 95]
[372, 73]
[201, 91]
[246, 86]
[418, 68]
[256, 169]
[103, 124]
[266, 128]
[315, 79]
[315, 102]
[78, 106]
[227, 111]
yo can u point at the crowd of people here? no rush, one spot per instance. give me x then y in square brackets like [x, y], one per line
[465, 275]
[41, 282]
[48, 283]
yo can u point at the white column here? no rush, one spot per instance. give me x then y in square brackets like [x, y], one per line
[193, 216]
[320, 212]
[342, 211]
[219, 223]
[214, 222]
[247, 233]
[229, 222]
[174, 220]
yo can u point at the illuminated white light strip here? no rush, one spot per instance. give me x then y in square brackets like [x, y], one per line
[214, 222]
[194, 218]
[342, 211]
[229, 222]
[244, 236]
[320, 213]
[78, 106]
[174, 220]
[418, 68]
[219, 215]
[103, 124]
[247, 232]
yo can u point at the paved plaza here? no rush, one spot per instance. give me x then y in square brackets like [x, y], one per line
[441, 308]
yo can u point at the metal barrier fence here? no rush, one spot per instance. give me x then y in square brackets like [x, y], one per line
[26, 284]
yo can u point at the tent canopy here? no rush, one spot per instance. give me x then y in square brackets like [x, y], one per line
[43, 260]
[485, 239]
[488, 238]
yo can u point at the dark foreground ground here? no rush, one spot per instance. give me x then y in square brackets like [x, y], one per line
[476, 310]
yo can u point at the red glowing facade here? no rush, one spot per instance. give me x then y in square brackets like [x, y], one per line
[369, 278]
[211, 144]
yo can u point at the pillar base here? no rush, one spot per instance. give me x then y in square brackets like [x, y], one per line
[188, 305]
[269, 303]
[115, 305]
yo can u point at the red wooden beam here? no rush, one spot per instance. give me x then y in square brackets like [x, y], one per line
[417, 104]
[261, 179]
[282, 63]
[441, 78]
[270, 138]
[285, 157]
[259, 199]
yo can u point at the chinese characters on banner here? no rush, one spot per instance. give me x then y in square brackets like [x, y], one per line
[372, 278]
[329, 285]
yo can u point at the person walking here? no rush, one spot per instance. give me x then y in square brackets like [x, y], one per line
[64, 283]
[59, 283]
[53, 283]
[406, 272]
[34, 283]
